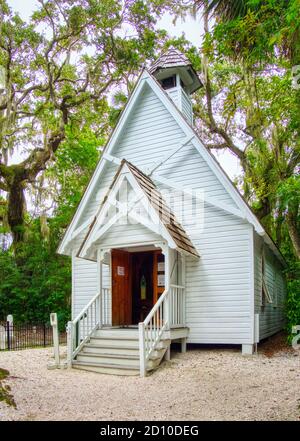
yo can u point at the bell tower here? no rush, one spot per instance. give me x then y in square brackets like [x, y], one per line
[178, 78]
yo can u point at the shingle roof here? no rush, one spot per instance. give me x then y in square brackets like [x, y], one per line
[156, 200]
[171, 58]
[166, 216]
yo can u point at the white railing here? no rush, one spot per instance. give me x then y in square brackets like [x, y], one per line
[168, 312]
[177, 306]
[93, 316]
[105, 307]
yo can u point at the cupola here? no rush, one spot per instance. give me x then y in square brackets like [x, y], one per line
[177, 76]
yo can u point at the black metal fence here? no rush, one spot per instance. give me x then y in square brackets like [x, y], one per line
[14, 337]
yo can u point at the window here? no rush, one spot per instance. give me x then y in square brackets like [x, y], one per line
[168, 83]
[265, 293]
[275, 288]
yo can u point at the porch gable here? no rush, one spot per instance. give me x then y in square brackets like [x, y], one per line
[133, 199]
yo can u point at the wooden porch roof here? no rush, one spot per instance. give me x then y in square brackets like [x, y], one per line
[156, 200]
[166, 216]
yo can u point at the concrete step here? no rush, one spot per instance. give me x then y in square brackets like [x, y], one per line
[159, 353]
[119, 360]
[163, 344]
[100, 349]
[117, 333]
[109, 359]
[116, 351]
[114, 342]
[104, 368]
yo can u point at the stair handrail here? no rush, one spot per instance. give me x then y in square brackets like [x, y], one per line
[152, 329]
[82, 327]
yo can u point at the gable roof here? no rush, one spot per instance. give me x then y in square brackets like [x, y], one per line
[150, 80]
[156, 201]
[166, 216]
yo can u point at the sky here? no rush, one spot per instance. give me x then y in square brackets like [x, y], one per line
[192, 29]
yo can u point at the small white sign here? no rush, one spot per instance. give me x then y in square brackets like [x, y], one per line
[121, 271]
[161, 280]
[161, 266]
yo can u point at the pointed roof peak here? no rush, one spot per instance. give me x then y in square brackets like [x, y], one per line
[172, 57]
[173, 229]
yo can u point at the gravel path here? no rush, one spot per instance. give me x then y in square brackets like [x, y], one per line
[203, 384]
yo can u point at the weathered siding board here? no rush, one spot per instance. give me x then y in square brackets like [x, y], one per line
[271, 316]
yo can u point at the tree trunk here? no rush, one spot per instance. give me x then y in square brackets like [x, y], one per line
[294, 233]
[16, 210]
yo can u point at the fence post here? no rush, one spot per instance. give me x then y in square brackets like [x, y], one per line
[2, 337]
[44, 331]
[8, 335]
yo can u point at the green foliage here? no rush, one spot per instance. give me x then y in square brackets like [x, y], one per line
[5, 394]
[37, 281]
[293, 305]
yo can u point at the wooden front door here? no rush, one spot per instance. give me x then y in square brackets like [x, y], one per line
[142, 285]
[121, 288]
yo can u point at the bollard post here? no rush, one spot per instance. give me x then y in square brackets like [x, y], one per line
[8, 335]
[54, 324]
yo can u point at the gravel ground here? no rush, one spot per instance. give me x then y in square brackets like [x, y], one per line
[203, 384]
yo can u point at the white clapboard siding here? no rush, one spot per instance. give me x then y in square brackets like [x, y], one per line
[125, 235]
[84, 283]
[218, 285]
[271, 316]
[149, 134]
[186, 106]
[183, 102]
[173, 94]
[84, 273]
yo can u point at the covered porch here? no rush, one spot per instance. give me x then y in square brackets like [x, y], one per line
[146, 293]
[141, 251]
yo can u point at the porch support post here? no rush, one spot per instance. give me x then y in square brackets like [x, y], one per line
[166, 252]
[183, 345]
[142, 349]
[167, 307]
[99, 286]
[168, 353]
[248, 349]
[183, 281]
